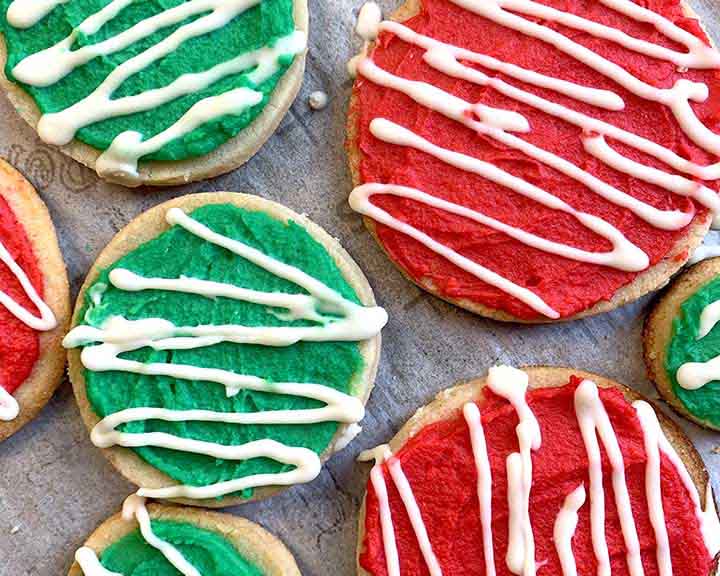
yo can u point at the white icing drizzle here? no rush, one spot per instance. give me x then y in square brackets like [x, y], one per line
[36, 70]
[594, 422]
[444, 56]
[9, 408]
[27, 13]
[496, 121]
[512, 384]
[368, 21]
[413, 512]
[90, 565]
[704, 252]
[446, 59]
[367, 28]
[699, 54]
[51, 65]
[692, 378]
[352, 432]
[134, 507]
[484, 483]
[103, 346]
[47, 320]
[383, 455]
[121, 158]
[708, 318]
[598, 147]
[656, 439]
[377, 478]
[676, 98]
[624, 256]
[564, 530]
[438, 100]
[695, 375]
[360, 202]
[653, 487]
[496, 124]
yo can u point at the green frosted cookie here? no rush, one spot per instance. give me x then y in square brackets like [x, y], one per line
[228, 345]
[172, 541]
[154, 91]
[682, 344]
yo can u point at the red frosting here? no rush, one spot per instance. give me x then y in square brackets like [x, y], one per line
[566, 285]
[19, 344]
[439, 465]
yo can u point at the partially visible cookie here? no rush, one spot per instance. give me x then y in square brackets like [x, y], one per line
[512, 473]
[178, 92]
[250, 341]
[681, 344]
[210, 543]
[34, 303]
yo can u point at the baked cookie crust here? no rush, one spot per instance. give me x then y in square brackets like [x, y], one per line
[48, 372]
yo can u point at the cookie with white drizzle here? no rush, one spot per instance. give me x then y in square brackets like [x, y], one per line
[154, 93]
[34, 303]
[228, 341]
[167, 540]
[681, 344]
[511, 473]
[458, 224]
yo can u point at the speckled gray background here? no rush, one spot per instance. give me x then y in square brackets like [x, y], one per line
[55, 487]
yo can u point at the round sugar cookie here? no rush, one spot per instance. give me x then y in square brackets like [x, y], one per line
[478, 440]
[460, 191]
[680, 343]
[212, 543]
[159, 104]
[34, 303]
[275, 330]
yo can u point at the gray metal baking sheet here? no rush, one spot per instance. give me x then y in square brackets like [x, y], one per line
[55, 487]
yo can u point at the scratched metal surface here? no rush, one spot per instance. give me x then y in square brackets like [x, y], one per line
[55, 487]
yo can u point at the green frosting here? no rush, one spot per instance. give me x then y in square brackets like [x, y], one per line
[703, 403]
[177, 252]
[259, 26]
[207, 551]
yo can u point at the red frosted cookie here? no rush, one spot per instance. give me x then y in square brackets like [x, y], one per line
[536, 161]
[546, 470]
[34, 303]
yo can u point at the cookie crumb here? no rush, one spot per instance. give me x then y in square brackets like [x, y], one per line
[318, 100]
[715, 450]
